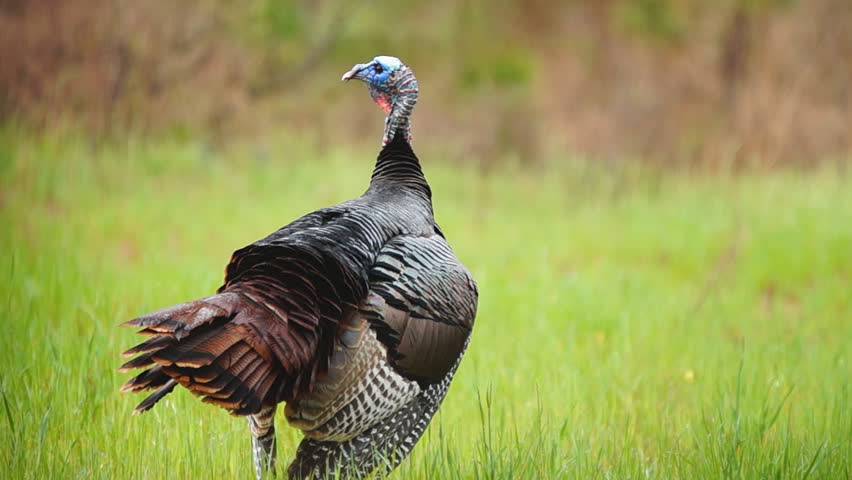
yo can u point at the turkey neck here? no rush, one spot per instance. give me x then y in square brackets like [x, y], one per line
[398, 166]
[403, 92]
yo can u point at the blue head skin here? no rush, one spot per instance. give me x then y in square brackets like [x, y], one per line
[381, 76]
[394, 89]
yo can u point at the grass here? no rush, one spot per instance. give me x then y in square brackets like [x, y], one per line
[630, 325]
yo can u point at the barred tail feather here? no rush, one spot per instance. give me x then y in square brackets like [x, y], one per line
[214, 347]
[155, 397]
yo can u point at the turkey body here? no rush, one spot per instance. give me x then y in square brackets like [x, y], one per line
[356, 316]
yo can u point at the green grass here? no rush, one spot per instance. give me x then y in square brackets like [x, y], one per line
[630, 325]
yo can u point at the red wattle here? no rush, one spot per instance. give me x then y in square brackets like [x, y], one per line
[383, 101]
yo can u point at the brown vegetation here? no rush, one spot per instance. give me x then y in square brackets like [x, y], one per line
[676, 81]
[108, 63]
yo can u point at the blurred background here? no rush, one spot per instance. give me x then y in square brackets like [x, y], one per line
[677, 82]
[652, 195]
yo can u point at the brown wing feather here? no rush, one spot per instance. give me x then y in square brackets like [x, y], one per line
[257, 342]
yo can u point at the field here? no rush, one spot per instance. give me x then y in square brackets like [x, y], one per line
[631, 324]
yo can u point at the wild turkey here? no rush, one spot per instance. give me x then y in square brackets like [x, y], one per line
[356, 316]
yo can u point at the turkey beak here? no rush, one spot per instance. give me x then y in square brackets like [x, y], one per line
[353, 73]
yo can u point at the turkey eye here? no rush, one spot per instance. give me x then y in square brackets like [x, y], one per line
[378, 68]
